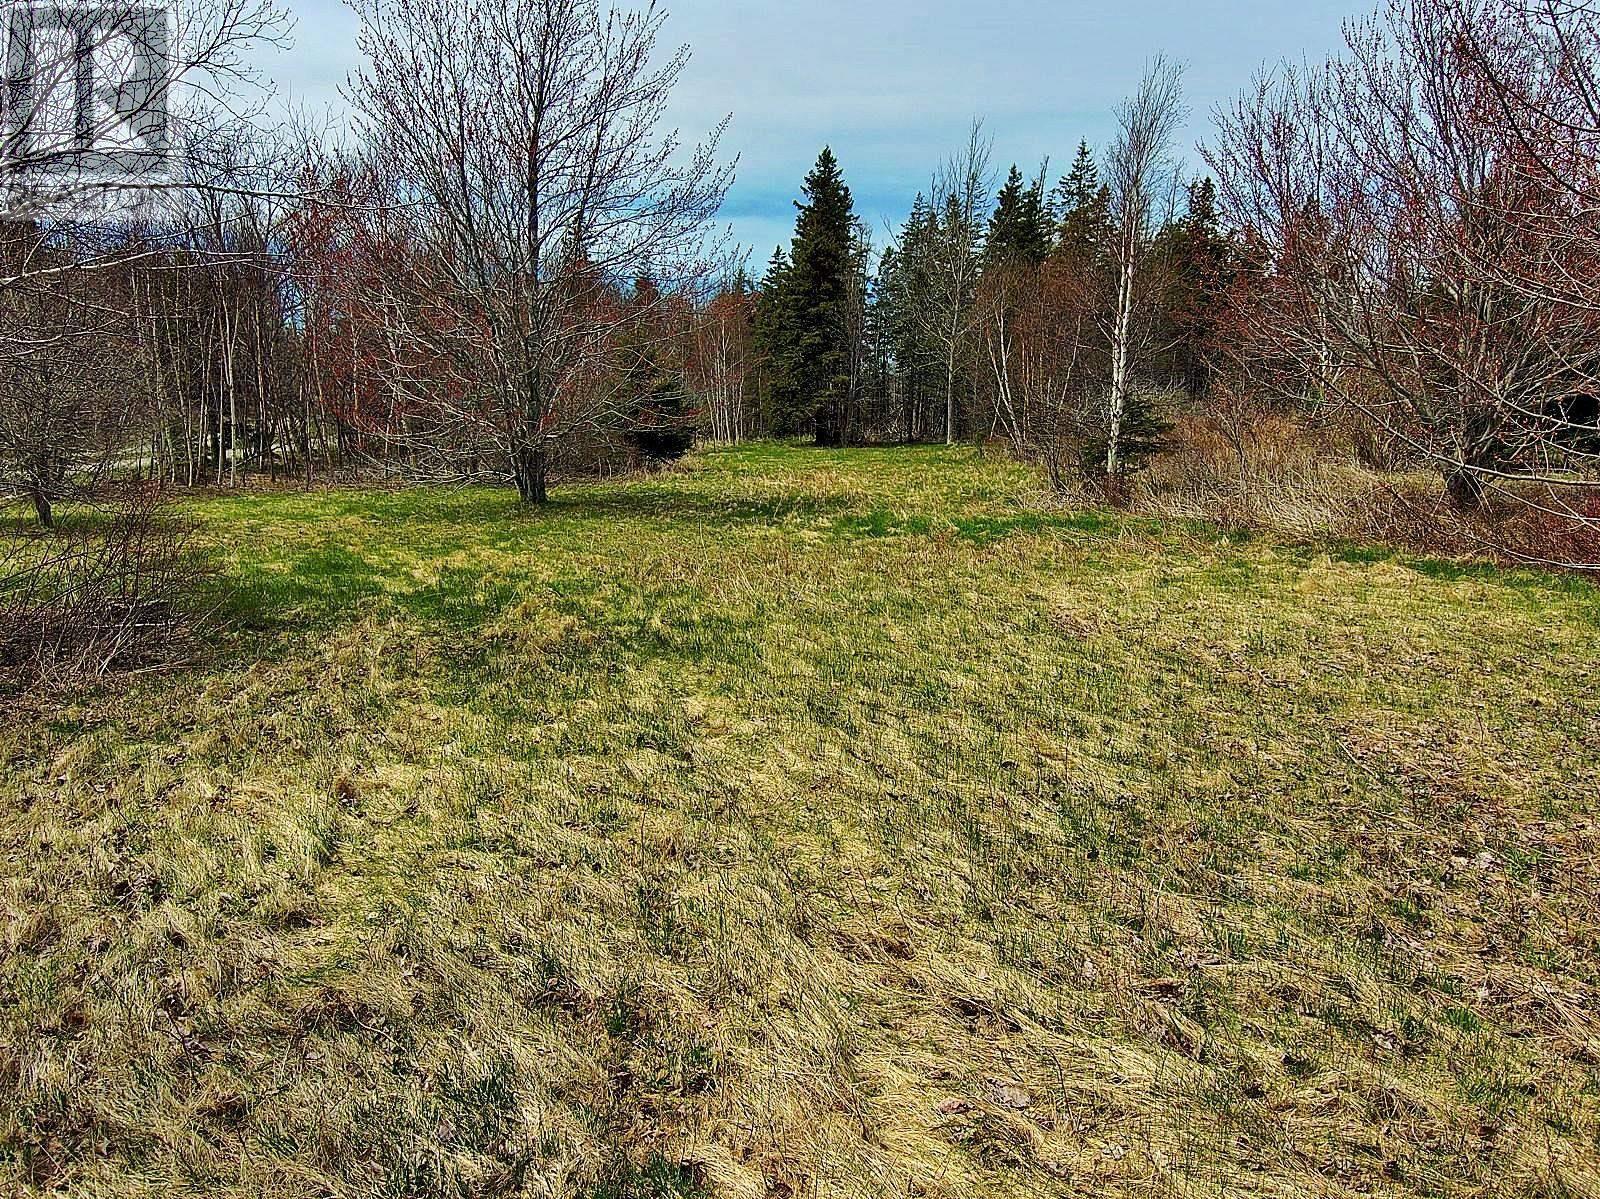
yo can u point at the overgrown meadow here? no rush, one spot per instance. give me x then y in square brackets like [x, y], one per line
[807, 823]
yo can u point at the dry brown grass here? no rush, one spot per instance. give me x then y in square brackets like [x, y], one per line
[1248, 469]
[812, 824]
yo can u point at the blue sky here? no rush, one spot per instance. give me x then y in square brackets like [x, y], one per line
[892, 85]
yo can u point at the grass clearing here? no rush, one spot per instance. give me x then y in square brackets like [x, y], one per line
[806, 823]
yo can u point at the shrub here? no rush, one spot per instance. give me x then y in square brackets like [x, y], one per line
[1243, 465]
[663, 429]
[112, 590]
[1547, 528]
[1146, 430]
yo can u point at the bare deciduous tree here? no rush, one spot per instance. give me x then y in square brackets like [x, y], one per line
[519, 177]
[1143, 184]
[1046, 358]
[106, 103]
[1426, 266]
[723, 359]
[952, 260]
[66, 378]
[113, 116]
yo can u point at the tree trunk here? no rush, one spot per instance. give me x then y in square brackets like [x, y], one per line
[830, 425]
[530, 468]
[1120, 352]
[950, 395]
[1465, 489]
[41, 505]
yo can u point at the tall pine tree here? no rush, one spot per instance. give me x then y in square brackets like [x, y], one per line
[903, 295]
[1083, 210]
[1202, 268]
[1019, 230]
[778, 396]
[820, 265]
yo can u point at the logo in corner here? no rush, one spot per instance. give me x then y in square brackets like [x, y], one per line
[85, 101]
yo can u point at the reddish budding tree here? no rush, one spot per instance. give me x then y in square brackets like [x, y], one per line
[1042, 342]
[722, 360]
[1414, 263]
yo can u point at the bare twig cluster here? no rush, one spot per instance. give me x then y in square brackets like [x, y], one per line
[114, 590]
[1419, 208]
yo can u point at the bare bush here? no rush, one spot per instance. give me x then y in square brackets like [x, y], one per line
[1244, 464]
[1420, 266]
[111, 590]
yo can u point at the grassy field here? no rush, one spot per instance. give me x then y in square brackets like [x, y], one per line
[811, 824]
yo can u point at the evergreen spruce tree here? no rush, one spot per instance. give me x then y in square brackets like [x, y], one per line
[820, 263]
[858, 301]
[1083, 209]
[1145, 431]
[877, 383]
[1006, 225]
[773, 334]
[904, 288]
[1203, 266]
[1019, 230]
[1037, 230]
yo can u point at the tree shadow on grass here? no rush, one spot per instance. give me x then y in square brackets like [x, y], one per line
[1530, 579]
[678, 506]
[326, 583]
[469, 510]
[322, 586]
